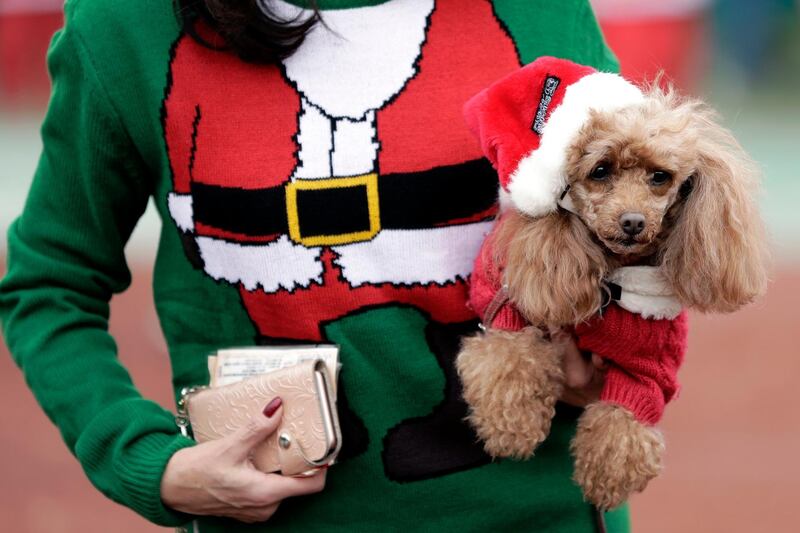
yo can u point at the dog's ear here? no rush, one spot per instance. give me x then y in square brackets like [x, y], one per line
[552, 267]
[715, 257]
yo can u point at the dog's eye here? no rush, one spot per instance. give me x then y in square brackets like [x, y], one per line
[660, 177]
[600, 172]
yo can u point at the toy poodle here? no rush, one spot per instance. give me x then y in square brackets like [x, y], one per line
[650, 208]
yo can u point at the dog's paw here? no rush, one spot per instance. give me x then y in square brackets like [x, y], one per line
[615, 454]
[511, 381]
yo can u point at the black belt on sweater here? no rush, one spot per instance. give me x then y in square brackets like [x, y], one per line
[332, 211]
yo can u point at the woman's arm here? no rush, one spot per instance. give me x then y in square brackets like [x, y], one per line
[65, 260]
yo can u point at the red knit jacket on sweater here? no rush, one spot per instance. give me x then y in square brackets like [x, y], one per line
[644, 353]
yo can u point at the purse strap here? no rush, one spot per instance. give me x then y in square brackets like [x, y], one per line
[182, 416]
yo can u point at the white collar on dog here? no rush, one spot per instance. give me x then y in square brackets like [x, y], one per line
[644, 291]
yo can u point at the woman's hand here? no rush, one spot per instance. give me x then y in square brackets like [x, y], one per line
[217, 478]
[583, 376]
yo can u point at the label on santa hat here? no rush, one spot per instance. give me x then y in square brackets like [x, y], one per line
[548, 90]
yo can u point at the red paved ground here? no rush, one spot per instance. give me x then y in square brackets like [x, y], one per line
[733, 436]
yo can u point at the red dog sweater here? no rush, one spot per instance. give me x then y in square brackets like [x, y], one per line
[644, 353]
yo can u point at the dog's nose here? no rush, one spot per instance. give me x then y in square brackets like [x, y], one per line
[632, 223]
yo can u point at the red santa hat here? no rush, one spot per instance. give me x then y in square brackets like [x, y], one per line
[526, 122]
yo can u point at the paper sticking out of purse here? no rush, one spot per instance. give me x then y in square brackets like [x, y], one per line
[231, 365]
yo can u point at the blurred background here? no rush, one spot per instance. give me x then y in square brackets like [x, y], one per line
[733, 435]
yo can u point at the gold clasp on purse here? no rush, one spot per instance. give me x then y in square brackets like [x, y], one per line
[333, 436]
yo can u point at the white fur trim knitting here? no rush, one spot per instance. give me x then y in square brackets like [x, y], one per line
[181, 209]
[540, 178]
[645, 292]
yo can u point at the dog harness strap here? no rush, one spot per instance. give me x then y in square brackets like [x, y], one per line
[600, 520]
[610, 292]
[498, 301]
[565, 202]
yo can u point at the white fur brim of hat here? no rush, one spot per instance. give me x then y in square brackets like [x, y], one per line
[540, 178]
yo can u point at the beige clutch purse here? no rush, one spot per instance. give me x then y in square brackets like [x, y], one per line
[308, 437]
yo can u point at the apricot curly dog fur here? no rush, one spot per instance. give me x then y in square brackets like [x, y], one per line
[615, 454]
[511, 382]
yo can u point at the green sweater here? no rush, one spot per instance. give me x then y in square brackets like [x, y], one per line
[336, 198]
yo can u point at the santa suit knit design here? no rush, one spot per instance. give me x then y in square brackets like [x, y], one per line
[355, 223]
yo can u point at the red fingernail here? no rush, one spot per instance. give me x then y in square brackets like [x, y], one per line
[272, 406]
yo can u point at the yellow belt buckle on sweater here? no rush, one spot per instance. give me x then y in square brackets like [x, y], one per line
[368, 181]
